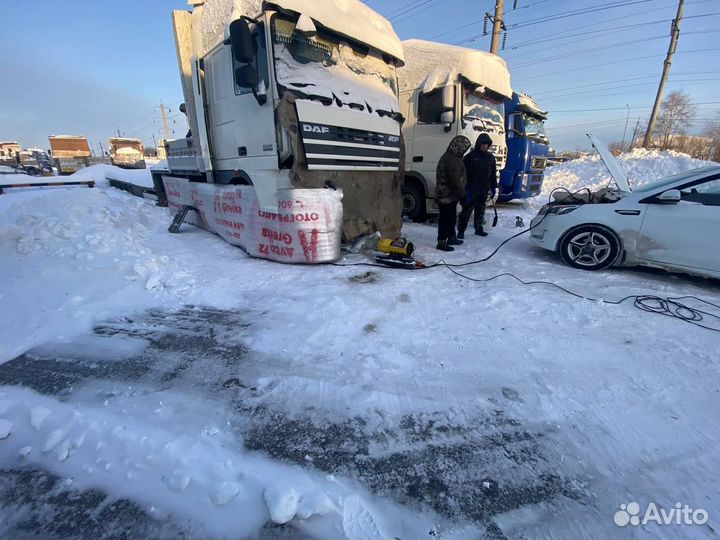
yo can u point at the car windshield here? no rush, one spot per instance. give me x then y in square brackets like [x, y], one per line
[479, 107]
[328, 67]
[534, 128]
[662, 182]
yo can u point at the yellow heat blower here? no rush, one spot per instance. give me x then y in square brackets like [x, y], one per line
[397, 252]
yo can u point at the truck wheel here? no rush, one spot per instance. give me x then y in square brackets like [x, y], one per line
[589, 247]
[413, 201]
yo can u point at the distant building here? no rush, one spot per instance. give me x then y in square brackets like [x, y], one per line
[9, 148]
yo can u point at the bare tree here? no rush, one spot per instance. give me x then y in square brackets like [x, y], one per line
[677, 114]
[712, 132]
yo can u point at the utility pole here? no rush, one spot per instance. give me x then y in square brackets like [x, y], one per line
[637, 126]
[627, 119]
[164, 120]
[498, 25]
[674, 34]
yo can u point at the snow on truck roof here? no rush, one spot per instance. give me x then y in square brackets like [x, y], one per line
[351, 18]
[429, 65]
[527, 103]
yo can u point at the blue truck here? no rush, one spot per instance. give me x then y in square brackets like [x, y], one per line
[527, 149]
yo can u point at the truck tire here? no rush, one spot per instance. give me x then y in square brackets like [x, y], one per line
[413, 198]
[589, 247]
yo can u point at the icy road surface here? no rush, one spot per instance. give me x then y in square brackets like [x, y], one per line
[162, 386]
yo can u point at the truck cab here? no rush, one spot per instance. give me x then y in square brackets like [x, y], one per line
[447, 91]
[287, 94]
[527, 146]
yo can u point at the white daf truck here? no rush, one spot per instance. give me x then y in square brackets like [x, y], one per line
[286, 95]
[447, 91]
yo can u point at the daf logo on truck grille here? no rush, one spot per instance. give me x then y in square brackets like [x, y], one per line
[311, 128]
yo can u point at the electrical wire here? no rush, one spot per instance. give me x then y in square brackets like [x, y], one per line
[649, 303]
[602, 48]
[563, 15]
[613, 62]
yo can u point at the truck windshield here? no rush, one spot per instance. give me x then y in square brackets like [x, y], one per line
[535, 128]
[329, 68]
[481, 108]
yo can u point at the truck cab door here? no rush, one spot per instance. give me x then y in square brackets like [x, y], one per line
[242, 130]
[431, 135]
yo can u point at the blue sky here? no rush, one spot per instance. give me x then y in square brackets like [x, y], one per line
[89, 67]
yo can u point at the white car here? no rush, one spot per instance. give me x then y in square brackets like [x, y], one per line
[672, 223]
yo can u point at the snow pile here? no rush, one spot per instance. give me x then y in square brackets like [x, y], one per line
[641, 166]
[87, 248]
[430, 65]
[128, 151]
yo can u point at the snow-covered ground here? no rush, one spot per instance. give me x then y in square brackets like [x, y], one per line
[220, 394]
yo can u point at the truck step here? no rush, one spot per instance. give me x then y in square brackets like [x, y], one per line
[180, 217]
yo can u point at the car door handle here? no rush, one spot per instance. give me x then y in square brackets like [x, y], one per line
[417, 159]
[628, 212]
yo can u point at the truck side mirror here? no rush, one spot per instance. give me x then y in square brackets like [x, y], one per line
[448, 98]
[447, 118]
[241, 41]
[246, 76]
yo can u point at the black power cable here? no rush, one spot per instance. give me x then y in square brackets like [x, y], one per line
[649, 303]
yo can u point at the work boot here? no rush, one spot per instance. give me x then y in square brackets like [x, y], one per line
[454, 242]
[480, 232]
[443, 246]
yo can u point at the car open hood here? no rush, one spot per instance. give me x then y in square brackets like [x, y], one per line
[611, 163]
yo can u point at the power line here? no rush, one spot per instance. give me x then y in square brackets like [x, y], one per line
[604, 47]
[588, 66]
[563, 15]
[563, 90]
[622, 108]
[408, 15]
[611, 29]
[409, 10]
[618, 89]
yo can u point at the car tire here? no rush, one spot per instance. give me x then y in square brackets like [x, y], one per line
[413, 200]
[589, 247]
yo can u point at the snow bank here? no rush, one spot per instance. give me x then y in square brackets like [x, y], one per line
[641, 166]
[430, 65]
[87, 248]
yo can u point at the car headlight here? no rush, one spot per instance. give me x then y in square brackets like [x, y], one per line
[563, 209]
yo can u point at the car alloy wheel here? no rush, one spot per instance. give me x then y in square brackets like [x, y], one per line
[589, 247]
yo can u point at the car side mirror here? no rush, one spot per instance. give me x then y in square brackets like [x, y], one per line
[670, 196]
[241, 41]
[447, 118]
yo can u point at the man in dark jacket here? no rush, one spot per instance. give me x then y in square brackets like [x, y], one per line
[481, 173]
[449, 190]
